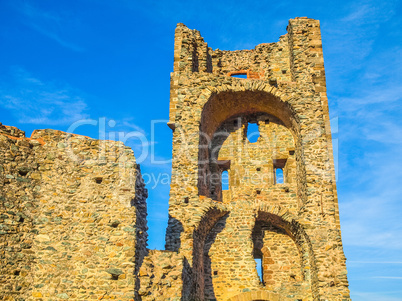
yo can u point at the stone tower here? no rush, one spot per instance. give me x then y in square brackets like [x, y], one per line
[279, 207]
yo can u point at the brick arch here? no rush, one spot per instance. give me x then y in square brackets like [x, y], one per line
[260, 295]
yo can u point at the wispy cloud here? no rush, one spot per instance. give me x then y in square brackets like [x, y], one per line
[374, 296]
[353, 38]
[49, 24]
[34, 101]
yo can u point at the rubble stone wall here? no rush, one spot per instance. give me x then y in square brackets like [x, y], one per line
[164, 275]
[73, 209]
[210, 111]
[18, 201]
[82, 230]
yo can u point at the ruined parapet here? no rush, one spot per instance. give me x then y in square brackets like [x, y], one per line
[85, 227]
[281, 188]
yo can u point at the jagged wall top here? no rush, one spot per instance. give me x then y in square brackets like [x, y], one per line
[269, 61]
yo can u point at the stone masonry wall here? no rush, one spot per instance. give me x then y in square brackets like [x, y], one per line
[73, 209]
[286, 84]
[18, 200]
[81, 233]
[164, 275]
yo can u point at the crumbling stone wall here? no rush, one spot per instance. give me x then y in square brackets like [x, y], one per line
[73, 212]
[81, 230]
[164, 275]
[210, 110]
[18, 200]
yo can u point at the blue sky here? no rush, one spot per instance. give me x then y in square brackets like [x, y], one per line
[110, 61]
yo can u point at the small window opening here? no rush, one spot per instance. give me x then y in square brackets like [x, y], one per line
[273, 82]
[23, 172]
[17, 273]
[258, 168]
[258, 191]
[291, 152]
[279, 176]
[21, 219]
[258, 262]
[253, 132]
[115, 277]
[213, 191]
[215, 273]
[225, 180]
[186, 200]
[241, 75]
[266, 121]
[98, 180]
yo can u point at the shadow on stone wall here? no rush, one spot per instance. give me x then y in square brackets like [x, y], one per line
[208, 273]
[140, 203]
[173, 233]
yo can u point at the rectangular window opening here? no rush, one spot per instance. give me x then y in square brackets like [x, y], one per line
[225, 180]
[239, 75]
[279, 166]
[279, 176]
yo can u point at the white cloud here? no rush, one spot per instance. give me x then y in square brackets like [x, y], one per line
[374, 296]
[34, 101]
[49, 24]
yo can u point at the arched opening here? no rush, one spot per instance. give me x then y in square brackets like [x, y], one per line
[232, 119]
[210, 272]
[204, 236]
[285, 254]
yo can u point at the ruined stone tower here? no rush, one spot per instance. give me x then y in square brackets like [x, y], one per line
[280, 206]
[73, 209]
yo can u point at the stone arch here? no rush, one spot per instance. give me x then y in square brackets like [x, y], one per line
[209, 219]
[228, 100]
[283, 219]
[244, 97]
